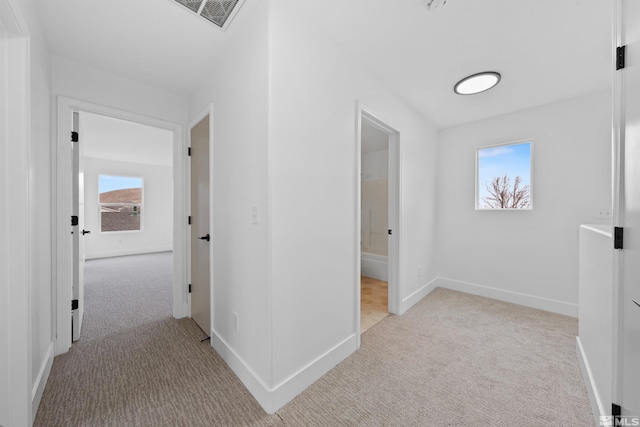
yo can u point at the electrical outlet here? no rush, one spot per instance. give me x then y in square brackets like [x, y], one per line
[236, 322]
[254, 215]
[419, 271]
[603, 214]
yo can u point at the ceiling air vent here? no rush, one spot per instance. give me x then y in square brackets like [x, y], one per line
[218, 12]
[432, 5]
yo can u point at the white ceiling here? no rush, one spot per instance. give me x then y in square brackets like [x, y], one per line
[158, 42]
[123, 141]
[546, 50]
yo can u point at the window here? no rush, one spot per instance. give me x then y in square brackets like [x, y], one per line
[503, 178]
[120, 201]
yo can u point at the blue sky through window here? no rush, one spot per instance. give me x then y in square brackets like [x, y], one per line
[109, 183]
[511, 159]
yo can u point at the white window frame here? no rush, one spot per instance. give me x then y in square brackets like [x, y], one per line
[530, 141]
[141, 204]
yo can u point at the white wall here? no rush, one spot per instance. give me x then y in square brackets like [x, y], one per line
[40, 206]
[157, 210]
[123, 148]
[285, 142]
[238, 87]
[79, 81]
[375, 166]
[22, 379]
[595, 318]
[375, 206]
[313, 185]
[528, 257]
[41, 222]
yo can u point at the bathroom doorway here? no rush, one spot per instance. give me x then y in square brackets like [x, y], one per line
[378, 217]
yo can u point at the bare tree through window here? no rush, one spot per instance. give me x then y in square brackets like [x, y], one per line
[504, 176]
[504, 196]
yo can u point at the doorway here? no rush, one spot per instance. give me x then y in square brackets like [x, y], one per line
[122, 171]
[66, 261]
[378, 219]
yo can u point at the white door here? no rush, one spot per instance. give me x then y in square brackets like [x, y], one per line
[200, 227]
[77, 211]
[629, 327]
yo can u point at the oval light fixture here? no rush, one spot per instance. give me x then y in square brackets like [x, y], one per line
[477, 83]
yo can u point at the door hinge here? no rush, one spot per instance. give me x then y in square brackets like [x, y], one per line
[389, 232]
[189, 219]
[74, 136]
[74, 304]
[189, 151]
[189, 287]
[620, 55]
[618, 234]
[74, 220]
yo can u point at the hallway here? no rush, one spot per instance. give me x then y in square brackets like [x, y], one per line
[135, 364]
[409, 371]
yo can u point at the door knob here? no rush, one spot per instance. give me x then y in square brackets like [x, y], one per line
[207, 238]
[85, 232]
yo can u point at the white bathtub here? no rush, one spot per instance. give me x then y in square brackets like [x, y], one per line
[375, 266]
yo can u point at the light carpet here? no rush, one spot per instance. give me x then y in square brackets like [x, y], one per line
[452, 360]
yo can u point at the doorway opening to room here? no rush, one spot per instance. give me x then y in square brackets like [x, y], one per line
[378, 247]
[121, 182]
[126, 219]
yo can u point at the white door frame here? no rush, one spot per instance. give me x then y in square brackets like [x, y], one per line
[395, 222]
[16, 382]
[61, 165]
[208, 111]
[618, 210]
[624, 33]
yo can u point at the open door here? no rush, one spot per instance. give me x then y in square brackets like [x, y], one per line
[77, 212]
[626, 393]
[389, 236]
[200, 226]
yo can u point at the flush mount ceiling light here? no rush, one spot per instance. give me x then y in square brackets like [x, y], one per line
[218, 12]
[477, 83]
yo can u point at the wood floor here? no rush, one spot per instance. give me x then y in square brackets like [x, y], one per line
[374, 302]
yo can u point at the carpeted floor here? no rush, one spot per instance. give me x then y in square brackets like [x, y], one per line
[452, 360]
[123, 293]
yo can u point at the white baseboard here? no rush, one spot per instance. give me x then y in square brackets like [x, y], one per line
[412, 299]
[125, 252]
[597, 408]
[374, 266]
[273, 398]
[554, 306]
[313, 371]
[41, 381]
[256, 386]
